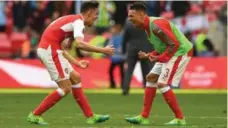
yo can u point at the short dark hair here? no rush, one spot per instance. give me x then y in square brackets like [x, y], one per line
[89, 5]
[138, 6]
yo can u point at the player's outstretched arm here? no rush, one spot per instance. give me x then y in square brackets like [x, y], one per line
[108, 50]
[78, 27]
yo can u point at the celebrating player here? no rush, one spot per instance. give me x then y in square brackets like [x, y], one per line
[172, 54]
[56, 59]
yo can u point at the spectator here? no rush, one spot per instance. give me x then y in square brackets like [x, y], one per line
[77, 6]
[38, 17]
[217, 29]
[106, 9]
[135, 40]
[20, 14]
[180, 8]
[100, 41]
[118, 58]
[34, 40]
[204, 47]
[153, 8]
[120, 14]
[223, 20]
[2, 17]
[196, 21]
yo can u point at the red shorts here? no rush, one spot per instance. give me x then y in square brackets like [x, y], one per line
[171, 72]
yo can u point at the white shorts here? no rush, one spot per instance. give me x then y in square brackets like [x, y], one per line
[172, 71]
[57, 65]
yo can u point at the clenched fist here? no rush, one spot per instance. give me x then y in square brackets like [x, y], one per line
[83, 63]
[143, 55]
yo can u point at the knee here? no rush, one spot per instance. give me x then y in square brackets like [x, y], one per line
[75, 79]
[66, 89]
[152, 77]
[161, 85]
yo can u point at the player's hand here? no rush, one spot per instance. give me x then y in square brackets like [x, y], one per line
[109, 50]
[153, 58]
[143, 55]
[83, 64]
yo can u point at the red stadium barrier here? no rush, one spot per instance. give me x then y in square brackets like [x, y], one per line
[201, 73]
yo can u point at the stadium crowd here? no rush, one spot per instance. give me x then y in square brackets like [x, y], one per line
[22, 23]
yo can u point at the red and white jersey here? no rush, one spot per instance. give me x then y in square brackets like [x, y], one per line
[61, 28]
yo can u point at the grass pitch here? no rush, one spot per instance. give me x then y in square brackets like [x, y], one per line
[201, 110]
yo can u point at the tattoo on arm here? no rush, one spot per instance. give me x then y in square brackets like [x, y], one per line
[157, 31]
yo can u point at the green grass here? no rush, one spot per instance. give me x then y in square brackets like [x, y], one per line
[201, 110]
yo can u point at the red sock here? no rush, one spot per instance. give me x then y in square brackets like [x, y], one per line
[149, 95]
[80, 97]
[49, 101]
[170, 98]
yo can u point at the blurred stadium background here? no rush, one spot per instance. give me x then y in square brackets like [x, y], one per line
[24, 80]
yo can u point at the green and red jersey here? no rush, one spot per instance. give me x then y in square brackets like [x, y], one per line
[166, 38]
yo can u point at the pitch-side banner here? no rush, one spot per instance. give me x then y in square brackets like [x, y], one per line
[31, 73]
[23, 73]
[206, 73]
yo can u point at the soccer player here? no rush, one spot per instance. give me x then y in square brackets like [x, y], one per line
[56, 59]
[172, 52]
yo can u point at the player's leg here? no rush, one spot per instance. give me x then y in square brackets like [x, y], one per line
[82, 101]
[53, 97]
[150, 90]
[149, 95]
[121, 64]
[146, 67]
[111, 76]
[132, 59]
[55, 69]
[79, 95]
[171, 74]
[50, 101]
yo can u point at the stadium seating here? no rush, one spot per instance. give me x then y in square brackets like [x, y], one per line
[5, 45]
[17, 40]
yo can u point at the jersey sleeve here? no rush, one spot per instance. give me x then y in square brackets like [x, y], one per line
[164, 32]
[78, 27]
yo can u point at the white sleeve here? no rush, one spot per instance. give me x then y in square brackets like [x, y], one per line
[78, 27]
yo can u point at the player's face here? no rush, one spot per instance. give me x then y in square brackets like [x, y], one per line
[93, 14]
[136, 17]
